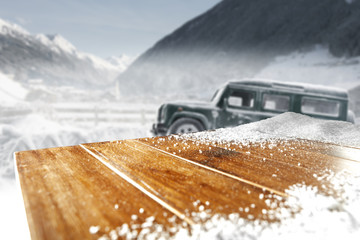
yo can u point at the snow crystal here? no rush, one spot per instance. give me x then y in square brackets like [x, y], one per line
[94, 229]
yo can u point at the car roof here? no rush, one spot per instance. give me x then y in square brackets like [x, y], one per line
[295, 87]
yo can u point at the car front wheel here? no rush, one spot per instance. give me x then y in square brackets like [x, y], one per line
[185, 125]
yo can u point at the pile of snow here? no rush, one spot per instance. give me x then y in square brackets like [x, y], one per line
[13, 222]
[318, 217]
[317, 66]
[287, 126]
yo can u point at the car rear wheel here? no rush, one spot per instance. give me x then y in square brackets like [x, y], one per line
[185, 125]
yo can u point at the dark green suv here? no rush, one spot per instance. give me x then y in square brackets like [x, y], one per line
[240, 102]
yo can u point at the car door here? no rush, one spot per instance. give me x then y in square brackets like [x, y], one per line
[238, 108]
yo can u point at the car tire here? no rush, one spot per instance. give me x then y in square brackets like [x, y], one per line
[185, 125]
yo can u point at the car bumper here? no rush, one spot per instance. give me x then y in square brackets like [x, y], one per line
[159, 129]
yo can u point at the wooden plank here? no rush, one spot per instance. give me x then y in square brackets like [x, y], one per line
[68, 193]
[157, 186]
[172, 179]
[281, 164]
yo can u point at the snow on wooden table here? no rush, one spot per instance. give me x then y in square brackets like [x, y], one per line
[164, 186]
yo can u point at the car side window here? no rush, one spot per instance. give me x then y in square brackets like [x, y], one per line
[276, 102]
[320, 107]
[241, 99]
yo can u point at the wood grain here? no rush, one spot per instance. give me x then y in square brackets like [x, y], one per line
[132, 188]
[281, 164]
[67, 191]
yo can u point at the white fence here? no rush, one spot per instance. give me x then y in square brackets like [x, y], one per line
[88, 113]
[94, 114]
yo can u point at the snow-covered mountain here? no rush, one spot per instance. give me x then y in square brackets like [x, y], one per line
[122, 62]
[52, 60]
[300, 40]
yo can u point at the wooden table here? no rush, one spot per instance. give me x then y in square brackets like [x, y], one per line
[157, 186]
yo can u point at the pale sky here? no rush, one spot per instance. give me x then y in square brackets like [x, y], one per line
[108, 27]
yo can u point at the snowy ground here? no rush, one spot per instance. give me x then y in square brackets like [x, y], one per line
[13, 224]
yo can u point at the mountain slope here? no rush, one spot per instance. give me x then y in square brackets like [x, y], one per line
[50, 58]
[239, 38]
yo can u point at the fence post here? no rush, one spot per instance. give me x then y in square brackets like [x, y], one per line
[143, 119]
[96, 112]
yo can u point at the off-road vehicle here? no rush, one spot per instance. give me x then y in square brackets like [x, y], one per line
[245, 101]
